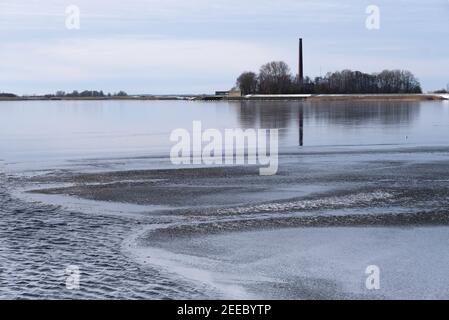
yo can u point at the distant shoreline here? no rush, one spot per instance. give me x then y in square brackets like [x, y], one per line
[345, 97]
[309, 97]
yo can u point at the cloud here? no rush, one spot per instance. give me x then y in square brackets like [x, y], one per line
[129, 58]
[152, 41]
[26, 14]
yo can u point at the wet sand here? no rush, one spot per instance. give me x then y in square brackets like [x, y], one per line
[371, 194]
[414, 178]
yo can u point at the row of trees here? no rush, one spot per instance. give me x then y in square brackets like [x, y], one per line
[7, 95]
[275, 78]
[87, 93]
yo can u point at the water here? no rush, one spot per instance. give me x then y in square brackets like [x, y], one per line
[40, 238]
[38, 243]
[33, 131]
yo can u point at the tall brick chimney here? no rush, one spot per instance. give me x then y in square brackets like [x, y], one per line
[301, 65]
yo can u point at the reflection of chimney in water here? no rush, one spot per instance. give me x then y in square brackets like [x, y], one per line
[301, 79]
[301, 126]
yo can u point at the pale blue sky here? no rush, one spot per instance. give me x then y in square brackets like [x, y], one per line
[199, 46]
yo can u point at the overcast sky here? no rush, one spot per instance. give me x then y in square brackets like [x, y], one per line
[199, 46]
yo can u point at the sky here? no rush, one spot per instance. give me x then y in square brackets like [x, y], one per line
[200, 46]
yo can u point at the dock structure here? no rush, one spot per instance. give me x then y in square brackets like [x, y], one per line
[277, 96]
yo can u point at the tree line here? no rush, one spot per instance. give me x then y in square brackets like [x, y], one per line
[86, 93]
[275, 78]
[7, 95]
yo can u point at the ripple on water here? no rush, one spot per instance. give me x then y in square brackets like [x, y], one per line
[38, 242]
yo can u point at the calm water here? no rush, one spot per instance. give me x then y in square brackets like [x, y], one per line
[45, 130]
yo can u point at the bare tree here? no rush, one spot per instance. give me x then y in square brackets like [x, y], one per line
[247, 83]
[275, 78]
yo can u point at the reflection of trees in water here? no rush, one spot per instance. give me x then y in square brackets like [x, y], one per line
[267, 114]
[297, 115]
[363, 112]
[284, 114]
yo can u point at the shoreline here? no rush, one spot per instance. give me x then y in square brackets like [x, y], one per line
[307, 97]
[345, 97]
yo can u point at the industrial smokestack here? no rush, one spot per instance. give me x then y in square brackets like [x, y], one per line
[301, 66]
